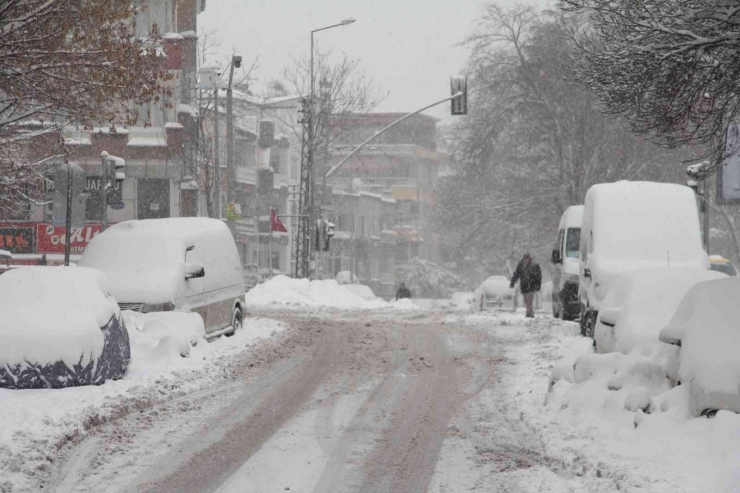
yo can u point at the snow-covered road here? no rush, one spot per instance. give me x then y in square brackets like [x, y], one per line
[386, 401]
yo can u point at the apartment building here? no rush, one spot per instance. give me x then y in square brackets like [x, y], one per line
[267, 144]
[159, 178]
[382, 198]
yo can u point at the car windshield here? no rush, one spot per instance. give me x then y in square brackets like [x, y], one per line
[572, 242]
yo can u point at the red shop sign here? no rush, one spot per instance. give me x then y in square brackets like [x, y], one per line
[50, 239]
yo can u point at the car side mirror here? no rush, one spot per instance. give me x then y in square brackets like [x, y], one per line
[671, 334]
[193, 270]
[587, 273]
[556, 256]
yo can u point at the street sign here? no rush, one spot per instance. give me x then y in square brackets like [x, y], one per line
[62, 190]
[233, 211]
[79, 204]
[728, 171]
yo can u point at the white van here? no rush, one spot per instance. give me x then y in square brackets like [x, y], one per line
[634, 225]
[566, 261]
[184, 264]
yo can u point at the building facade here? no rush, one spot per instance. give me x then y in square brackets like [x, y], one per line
[381, 199]
[158, 179]
[267, 162]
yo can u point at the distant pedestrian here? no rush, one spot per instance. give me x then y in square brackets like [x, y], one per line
[529, 275]
[403, 292]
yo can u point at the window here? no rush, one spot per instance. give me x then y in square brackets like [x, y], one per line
[573, 243]
[275, 160]
[559, 243]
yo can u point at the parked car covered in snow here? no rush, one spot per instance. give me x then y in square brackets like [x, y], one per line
[705, 327]
[185, 264]
[640, 303]
[721, 264]
[493, 292]
[60, 328]
[628, 226]
[566, 261]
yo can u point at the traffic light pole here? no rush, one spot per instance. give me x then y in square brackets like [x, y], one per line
[387, 127]
[104, 193]
[68, 222]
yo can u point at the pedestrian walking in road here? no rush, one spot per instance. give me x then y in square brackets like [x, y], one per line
[403, 292]
[529, 275]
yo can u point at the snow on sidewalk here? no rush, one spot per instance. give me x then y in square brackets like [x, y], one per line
[286, 292]
[586, 426]
[34, 424]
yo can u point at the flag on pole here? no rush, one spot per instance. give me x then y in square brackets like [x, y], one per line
[275, 223]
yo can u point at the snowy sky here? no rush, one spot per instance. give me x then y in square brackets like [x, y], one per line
[408, 47]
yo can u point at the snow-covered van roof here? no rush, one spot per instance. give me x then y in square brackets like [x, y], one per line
[572, 217]
[643, 221]
[144, 260]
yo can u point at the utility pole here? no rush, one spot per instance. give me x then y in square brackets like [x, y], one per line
[216, 158]
[236, 62]
[706, 213]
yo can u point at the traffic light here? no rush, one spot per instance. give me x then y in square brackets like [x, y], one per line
[113, 175]
[328, 234]
[459, 84]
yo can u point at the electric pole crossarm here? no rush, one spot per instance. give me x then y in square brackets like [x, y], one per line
[381, 131]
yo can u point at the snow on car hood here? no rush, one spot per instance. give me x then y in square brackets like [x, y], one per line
[50, 314]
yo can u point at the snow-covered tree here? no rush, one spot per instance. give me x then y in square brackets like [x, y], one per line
[532, 145]
[62, 61]
[426, 279]
[340, 88]
[669, 67]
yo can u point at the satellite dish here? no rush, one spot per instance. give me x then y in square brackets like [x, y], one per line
[357, 185]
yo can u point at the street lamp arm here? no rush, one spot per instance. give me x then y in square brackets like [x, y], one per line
[379, 132]
[343, 23]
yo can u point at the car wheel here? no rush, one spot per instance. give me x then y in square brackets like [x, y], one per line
[588, 321]
[237, 322]
[709, 413]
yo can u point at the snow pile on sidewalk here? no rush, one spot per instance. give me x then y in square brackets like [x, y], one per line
[283, 290]
[611, 415]
[34, 423]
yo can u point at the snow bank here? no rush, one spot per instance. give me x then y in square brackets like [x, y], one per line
[33, 423]
[283, 290]
[632, 439]
[405, 304]
[361, 290]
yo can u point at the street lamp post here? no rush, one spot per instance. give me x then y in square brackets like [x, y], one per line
[313, 213]
[236, 62]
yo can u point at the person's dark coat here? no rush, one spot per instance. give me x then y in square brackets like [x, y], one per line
[403, 292]
[529, 276]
